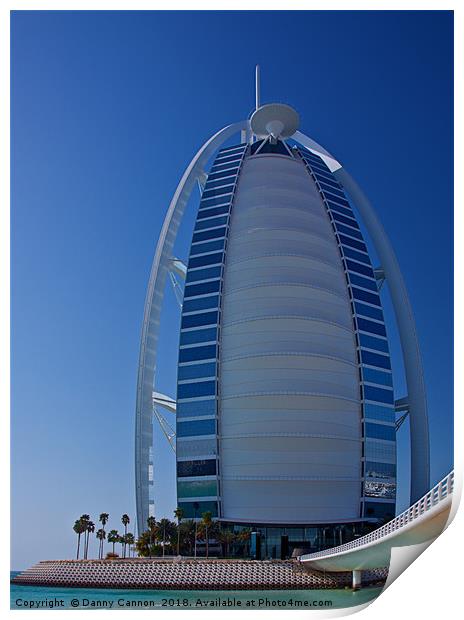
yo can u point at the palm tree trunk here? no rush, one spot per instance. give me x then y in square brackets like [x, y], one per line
[125, 534]
[207, 542]
[78, 545]
[178, 539]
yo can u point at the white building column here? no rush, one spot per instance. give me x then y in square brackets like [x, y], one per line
[357, 577]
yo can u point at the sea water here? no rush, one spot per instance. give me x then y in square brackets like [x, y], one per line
[35, 597]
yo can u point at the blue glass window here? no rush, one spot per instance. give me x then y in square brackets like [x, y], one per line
[380, 431]
[307, 154]
[328, 188]
[374, 313]
[227, 166]
[232, 149]
[369, 326]
[338, 217]
[373, 343]
[352, 266]
[380, 470]
[227, 180]
[198, 335]
[202, 467]
[214, 233]
[211, 223]
[213, 176]
[227, 157]
[363, 258]
[378, 412]
[334, 201]
[378, 451]
[192, 512]
[345, 210]
[209, 246]
[379, 510]
[194, 408]
[202, 303]
[317, 164]
[377, 376]
[360, 281]
[341, 228]
[327, 177]
[215, 191]
[197, 371]
[197, 353]
[193, 428]
[199, 388]
[371, 298]
[197, 320]
[215, 211]
[207, 203]
[210, 259]
[378, 394]
[204, 274]
[359, 245]
[202, 289]
[197, 488]
[374, 359]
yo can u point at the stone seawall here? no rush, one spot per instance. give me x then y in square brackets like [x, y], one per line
[187, 575]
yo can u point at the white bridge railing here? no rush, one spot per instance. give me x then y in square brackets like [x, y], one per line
[439, 492]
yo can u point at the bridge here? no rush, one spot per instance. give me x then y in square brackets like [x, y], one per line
[422, 522]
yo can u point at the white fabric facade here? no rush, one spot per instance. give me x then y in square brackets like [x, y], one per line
[289, 411]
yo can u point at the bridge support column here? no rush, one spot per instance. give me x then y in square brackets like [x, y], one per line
[357, 575]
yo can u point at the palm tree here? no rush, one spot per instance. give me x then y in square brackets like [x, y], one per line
[79, 527]
[90, 527]
[165, 527]
[244, 536]
[196, 506]
[144, 545]
[122, 540]
[226, 537]
[188, 530]
[152, 528]
[151, 523]
[101, 535]
[103, 518]
[130, 540]
[125, 521]
[113, 537]
[207, 522]
[178, 513]
[84, 520]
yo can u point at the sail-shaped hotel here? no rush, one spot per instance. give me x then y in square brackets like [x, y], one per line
[286, 416]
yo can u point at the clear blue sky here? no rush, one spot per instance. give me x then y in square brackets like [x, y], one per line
[107, 110]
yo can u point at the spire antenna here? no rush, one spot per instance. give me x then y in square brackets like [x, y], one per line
[257, 87]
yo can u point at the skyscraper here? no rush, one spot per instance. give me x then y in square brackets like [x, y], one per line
[285, 406]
